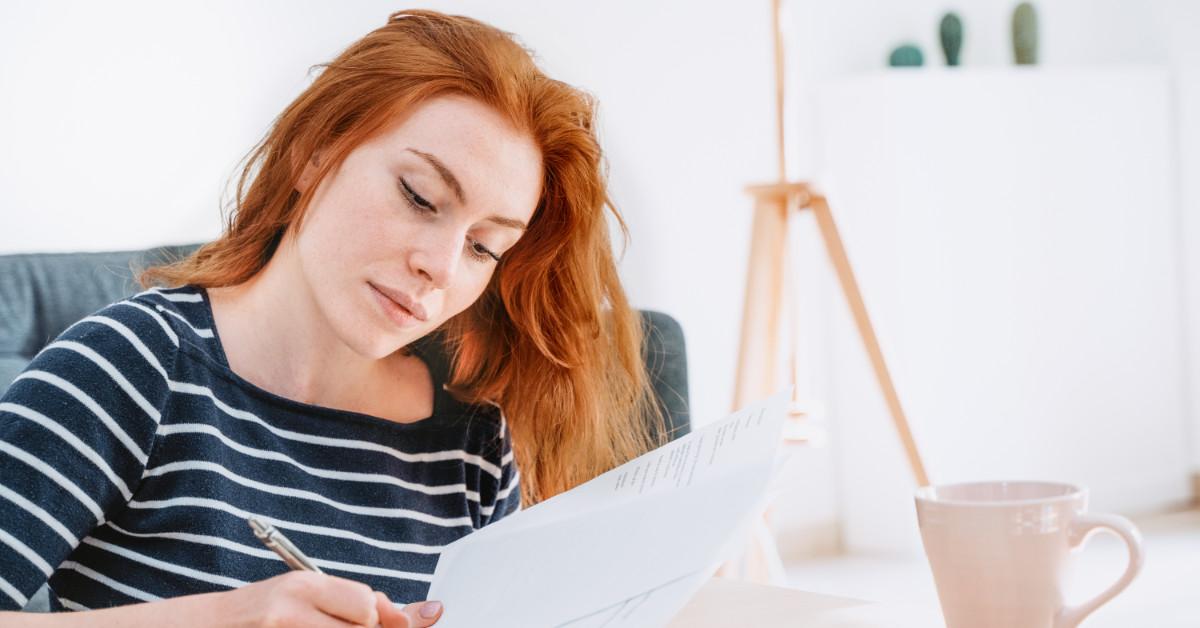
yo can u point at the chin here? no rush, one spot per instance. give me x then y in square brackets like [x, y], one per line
[378, 346]
[366, 334]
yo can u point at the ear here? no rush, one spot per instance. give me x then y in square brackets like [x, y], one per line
[309, 172]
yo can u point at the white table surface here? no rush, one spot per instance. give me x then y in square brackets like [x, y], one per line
[723, 603]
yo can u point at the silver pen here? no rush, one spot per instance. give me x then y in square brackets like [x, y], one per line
[279, 544]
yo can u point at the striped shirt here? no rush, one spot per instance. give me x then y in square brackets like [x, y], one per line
[131, 456]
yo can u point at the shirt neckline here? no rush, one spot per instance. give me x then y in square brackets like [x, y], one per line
[440, 396]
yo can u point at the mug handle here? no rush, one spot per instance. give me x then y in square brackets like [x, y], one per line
[1083, 527]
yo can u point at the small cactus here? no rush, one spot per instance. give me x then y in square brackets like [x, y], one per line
[907, 55]
[1025, 34]
[951, 33]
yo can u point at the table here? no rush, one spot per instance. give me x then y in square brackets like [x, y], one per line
[725, 603]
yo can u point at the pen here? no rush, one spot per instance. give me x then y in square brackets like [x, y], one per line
[279, 544]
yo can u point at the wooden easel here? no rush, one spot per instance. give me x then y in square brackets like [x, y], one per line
[757, 357]
[774, 203]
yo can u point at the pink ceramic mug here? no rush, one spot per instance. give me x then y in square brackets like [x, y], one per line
[997, 550]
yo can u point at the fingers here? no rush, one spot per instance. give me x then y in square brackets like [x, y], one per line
[340, 602]
[350, 601]
[390, 615]
[416, 615]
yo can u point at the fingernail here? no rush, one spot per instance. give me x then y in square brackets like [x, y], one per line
[429, 610]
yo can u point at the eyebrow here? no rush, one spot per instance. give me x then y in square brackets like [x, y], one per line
[452, 181]
[447, 176]
[507, 222]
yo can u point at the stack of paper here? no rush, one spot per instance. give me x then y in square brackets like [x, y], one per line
[627, 549]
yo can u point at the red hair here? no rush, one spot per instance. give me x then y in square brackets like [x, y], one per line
[553, 339]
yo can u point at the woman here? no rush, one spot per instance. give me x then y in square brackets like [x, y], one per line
[414, 298]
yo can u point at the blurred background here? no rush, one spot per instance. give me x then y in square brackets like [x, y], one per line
[1027, 238]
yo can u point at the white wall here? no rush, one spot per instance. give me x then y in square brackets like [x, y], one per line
[120, 123]
[1182, 33]
[850, 37]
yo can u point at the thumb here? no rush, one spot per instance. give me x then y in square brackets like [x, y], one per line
[415, 615]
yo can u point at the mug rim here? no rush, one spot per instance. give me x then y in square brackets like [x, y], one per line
[927, 494]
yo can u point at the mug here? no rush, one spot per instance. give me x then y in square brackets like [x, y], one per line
[998, 549]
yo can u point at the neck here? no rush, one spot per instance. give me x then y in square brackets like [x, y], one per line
[276, 336]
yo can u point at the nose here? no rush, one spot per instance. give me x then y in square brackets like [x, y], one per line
[437, 257]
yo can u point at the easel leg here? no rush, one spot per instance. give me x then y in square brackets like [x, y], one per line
[841, 264]
[758, 349]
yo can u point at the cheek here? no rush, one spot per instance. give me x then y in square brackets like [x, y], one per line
[348, 234]
[462, 296]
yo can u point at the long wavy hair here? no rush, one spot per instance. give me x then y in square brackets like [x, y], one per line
[552, 340]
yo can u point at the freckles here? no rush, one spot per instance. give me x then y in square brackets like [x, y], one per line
[348, 236]
[364, 219]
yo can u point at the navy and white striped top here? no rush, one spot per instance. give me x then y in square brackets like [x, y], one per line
[131, 456]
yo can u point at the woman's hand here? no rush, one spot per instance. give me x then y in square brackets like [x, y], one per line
[415, 615]
[296, 599]
[304, 598]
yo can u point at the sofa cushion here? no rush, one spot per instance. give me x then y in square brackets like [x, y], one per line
[41, 294]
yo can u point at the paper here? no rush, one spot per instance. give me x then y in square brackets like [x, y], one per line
[627, 549]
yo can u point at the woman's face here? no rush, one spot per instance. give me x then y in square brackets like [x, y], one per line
[406, 232]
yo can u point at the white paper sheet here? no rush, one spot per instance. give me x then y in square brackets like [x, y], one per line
[627, 549]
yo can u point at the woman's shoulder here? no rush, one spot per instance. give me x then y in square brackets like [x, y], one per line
[181, 317]
[183, 312]
[115, 364]
[148, 327]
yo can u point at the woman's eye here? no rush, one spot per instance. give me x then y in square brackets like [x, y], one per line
[415, 200]
[483, 253]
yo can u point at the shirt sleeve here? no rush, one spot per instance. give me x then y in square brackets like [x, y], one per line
[76, 429]
[507, 498]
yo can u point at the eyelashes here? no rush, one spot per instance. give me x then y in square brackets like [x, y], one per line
[415, 199]
[481, 252]
[475, 249]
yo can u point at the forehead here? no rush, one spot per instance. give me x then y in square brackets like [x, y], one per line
[498, 166]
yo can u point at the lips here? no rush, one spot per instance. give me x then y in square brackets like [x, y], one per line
[403, 300]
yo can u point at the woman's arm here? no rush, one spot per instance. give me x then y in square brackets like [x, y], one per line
[76, 429]
[297, 598]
